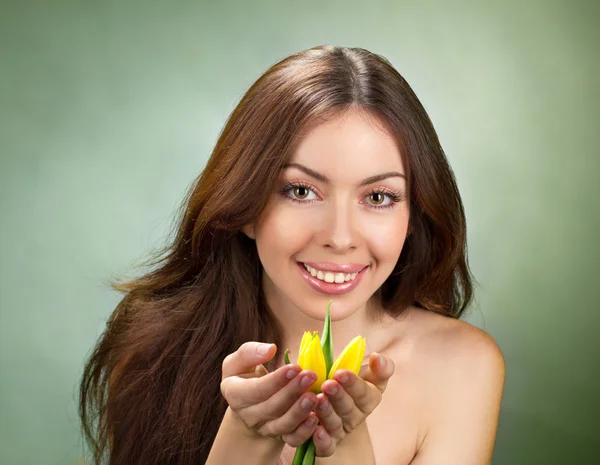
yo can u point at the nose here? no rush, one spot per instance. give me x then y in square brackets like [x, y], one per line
[339, 233]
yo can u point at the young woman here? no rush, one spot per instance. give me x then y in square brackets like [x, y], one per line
[328, 182]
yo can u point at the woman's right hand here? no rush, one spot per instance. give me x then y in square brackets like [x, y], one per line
[275, 405]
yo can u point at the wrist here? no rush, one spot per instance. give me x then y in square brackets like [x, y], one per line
[357, 446]
[236, 443]
[248, 433]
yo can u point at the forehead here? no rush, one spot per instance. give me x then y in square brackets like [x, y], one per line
[350, 142]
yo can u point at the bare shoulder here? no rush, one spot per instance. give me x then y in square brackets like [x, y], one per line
[451, 343]
[461, 372]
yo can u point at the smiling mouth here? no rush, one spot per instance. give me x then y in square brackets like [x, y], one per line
[330, 276]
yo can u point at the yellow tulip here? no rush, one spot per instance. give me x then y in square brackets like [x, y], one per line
[351, 357]
[319, 358]
[312, 358]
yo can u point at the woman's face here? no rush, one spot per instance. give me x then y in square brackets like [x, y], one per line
[336, 225]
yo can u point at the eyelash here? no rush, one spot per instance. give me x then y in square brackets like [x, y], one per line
[395, 197]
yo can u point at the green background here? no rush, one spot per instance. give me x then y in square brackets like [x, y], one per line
[109, 109]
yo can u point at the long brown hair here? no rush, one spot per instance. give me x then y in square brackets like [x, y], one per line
[150, 392]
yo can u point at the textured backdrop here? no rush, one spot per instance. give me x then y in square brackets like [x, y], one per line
[109, 109]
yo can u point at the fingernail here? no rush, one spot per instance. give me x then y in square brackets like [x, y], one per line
[307, 381]
[321, 434]
[309, 422]
[344, 379]
[263, 349]
[332, 390]
[291, 374]
[382, 360]
[306, 403]
[324, 405]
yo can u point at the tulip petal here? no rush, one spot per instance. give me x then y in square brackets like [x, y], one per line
[351, 357]
[312, 358]
[306, 337]
[360, 355]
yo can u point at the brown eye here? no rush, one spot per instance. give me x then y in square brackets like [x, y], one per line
[301, 192]
[377, 198]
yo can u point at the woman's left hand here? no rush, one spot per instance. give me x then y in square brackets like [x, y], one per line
[347, 400]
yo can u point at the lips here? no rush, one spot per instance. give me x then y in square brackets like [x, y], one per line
[332, 288]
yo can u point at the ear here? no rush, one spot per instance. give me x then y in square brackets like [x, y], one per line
[248, 230]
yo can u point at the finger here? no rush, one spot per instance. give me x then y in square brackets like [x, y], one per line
[324, 443]
[328, 418]
[241, 392]
[379, 370]
[290, 420]
[364, 395]
[343, 404]
[245, 359]
[303, 432]
[259, 370]
[280, 402]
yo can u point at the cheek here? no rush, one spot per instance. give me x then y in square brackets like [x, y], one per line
[282, 231]
[386, 239]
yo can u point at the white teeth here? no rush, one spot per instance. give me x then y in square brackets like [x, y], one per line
[329, 276]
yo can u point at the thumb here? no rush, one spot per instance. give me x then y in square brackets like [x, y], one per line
[247, 357]
[378, 371]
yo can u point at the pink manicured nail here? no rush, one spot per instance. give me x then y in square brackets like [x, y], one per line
[291, 374]
[307, 381]
[263, 349]
[331, 390]
[309, 422]
[306, 403]
[324, 405]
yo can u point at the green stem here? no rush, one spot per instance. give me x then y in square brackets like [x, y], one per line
[300, 452]
[327, 341]
[309, 456]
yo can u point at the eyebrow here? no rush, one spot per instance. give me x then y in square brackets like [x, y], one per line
[324, 179]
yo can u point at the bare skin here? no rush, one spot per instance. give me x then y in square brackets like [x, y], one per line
[343, 199]
[442, 403]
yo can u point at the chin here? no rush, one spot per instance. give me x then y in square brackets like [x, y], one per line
[341, 308]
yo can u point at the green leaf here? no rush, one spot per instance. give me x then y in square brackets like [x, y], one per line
[286, 356]
[300, 452]
[327, 341]
[309, 456]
